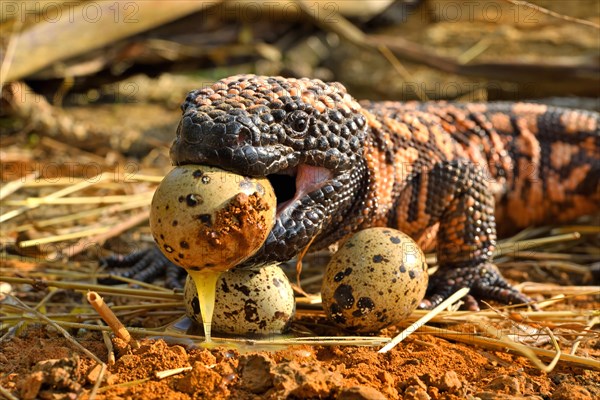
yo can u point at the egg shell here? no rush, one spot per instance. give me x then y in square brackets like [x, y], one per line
[376, 279]
[257, 300]
[205, 217]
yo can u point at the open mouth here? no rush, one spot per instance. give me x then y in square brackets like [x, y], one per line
[293, 184]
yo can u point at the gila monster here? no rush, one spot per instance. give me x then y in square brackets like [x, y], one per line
[444, 173]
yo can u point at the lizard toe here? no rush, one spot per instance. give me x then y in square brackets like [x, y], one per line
[485, 283]
[144, 265]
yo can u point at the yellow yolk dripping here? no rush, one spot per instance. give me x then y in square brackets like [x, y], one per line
[206, 285]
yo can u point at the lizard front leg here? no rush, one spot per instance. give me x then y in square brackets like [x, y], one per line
[455, 195]
[145, 265]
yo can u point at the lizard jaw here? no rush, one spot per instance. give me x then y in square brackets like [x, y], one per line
[308, 178]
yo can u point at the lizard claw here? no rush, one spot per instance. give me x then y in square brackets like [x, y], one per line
[485, 282]
[145, 265]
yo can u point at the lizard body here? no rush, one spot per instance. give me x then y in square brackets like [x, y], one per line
[443, 173]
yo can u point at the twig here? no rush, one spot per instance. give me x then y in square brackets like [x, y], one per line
[401, 70]
[110, 351]
[58, 194]
[10, 51]
[123, 385]
[171, 372]
[317, 340]
[526, 351]
[15, 185]
[63, 237]
[423, 320]
[553, 13]
[496, 344]
[114, 231]
[516, 70]
[140, 293]
[70, 339]
[550, 289]
[588, 327]
[8, 394]
[118, 198]
[63, 219]
[110, 318]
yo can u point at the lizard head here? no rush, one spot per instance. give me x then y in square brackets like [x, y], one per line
[304, 135]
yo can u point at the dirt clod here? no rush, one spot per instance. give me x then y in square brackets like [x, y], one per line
[505, 384]
[256, 373]
[291, 378]
[56, 377]
[201, 382]
[571, 392]
[360, 393]
[416, 393]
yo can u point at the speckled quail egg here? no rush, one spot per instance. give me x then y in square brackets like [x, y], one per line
[257, 300]
[208, 218]
[376, 279]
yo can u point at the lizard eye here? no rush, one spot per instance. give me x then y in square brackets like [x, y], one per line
[298, 121]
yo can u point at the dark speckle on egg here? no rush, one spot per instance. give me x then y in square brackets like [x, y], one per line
[197, 173]
[383, 286]
[242, 288]
[378, 258]
[205, 219]
[365, 305]
[250, 311]
[196, 305]
[343, 296]
[225, 286]
[336, 314]
[247, 302]
[192, 199]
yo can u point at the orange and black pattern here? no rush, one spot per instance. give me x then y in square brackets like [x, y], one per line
[449, 175]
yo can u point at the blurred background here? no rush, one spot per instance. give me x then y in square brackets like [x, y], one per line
[81, 56]
[90, 87]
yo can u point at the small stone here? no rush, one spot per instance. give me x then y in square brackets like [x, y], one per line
[498, 396]
[449, 382]
[179, 351]
[568, 391]
[434, 392]
[32, 385]
[295, 380]
[361, 393]
[94, 373]
[200, 382]
[256, 374]
[505, 384]
[416, 392]
[415, 381]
